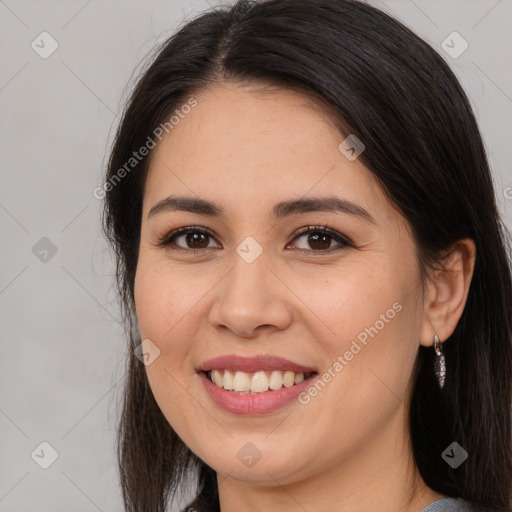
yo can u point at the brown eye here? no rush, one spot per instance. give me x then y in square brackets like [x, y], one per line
[194, 239]
[319, 241]
[319, 238]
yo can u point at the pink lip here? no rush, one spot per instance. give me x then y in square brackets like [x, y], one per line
[253, 404]
[259, 403]
[252, 364]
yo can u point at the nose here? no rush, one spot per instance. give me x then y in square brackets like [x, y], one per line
[251, 299]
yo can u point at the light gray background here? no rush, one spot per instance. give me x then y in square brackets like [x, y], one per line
[62, 346]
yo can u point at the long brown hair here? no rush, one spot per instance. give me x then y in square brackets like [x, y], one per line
[381, 82]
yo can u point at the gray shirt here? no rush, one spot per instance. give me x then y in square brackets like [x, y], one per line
[451, 505]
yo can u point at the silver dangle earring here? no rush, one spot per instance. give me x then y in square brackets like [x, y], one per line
[439, 362]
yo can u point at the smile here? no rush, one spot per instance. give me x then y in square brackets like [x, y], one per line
[256, 382]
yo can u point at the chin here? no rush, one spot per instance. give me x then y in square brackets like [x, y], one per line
[259, 465]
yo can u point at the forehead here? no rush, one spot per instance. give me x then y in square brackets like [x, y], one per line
[255, 147]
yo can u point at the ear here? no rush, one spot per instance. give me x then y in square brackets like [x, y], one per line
[447, 292]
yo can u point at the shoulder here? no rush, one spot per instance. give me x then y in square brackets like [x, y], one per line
[452, 505]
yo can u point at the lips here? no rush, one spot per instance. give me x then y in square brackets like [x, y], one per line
[243, 367]
[264, 362]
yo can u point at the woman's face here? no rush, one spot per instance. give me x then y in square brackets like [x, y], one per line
[253, 287]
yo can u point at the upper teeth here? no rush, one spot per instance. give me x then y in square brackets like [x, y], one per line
[257, 382]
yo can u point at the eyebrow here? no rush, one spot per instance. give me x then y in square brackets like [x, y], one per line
[280, 210]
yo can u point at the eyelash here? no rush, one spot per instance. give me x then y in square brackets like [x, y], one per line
[167, 240]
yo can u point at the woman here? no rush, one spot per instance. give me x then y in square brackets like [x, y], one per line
[313, 271]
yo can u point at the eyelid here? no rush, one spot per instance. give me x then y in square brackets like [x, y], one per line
[343, 240]
[166, 239]
[324, 228]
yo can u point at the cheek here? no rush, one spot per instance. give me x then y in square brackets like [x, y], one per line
[371, 358]
[159, 309]
[350, 303]
[161, 317]
[369, 325]
[159, 299]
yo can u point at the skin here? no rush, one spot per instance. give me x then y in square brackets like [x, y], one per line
[349, 447]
